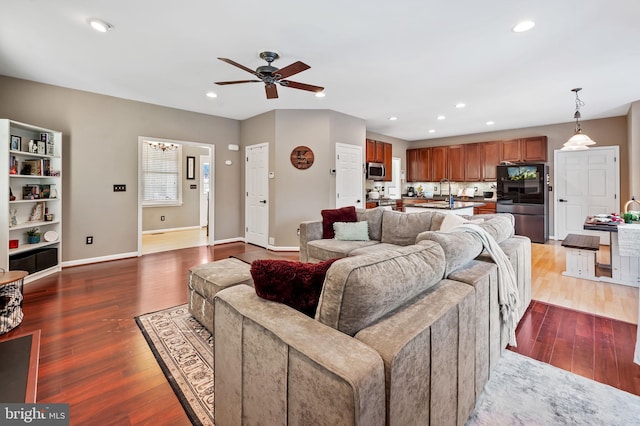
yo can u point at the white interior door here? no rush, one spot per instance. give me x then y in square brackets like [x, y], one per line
[257, 195]
[349, 176]
[393, 188]
[586, 183]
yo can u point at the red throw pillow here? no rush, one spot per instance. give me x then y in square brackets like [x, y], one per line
[344, 214]
[295, 284]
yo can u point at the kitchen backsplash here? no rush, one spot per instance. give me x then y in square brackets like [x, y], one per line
[439, 189]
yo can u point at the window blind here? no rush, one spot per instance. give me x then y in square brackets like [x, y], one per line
[161, 176]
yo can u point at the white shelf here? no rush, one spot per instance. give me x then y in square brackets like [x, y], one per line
[36, 200]
[31, 154]
[29, 247]
[34, 177]
[26, 225]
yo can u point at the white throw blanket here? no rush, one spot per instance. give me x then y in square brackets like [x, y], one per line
[629, 239]
[507, 287]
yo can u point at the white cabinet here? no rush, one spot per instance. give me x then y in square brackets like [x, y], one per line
[31, 182]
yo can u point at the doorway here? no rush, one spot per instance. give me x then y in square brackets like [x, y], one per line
[178, 226]
[257, 195]
[586, 183]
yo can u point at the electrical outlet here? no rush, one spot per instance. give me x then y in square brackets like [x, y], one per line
[272, 241]
[119, 188]
[162, 218]
[298, 232]
[435, 188]
[89, 240]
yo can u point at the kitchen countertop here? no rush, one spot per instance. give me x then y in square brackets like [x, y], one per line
[444, 198]
[444, 204]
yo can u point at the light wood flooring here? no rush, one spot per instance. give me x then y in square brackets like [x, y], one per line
[173, 240]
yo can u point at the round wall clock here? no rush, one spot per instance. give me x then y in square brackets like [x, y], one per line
[302, 157]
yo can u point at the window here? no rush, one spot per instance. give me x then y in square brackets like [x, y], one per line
[161, 174]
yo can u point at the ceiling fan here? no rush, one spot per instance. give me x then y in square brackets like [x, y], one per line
[271, 75]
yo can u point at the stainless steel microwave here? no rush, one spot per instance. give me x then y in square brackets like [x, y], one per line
[376, 171]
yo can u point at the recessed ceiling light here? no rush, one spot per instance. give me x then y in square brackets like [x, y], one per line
[393, 118]
[461, 105]
[490, 123]
[212, 94]
[523, 26]
[441, 117]
[320, 95]
[99, 25]
[432, 130]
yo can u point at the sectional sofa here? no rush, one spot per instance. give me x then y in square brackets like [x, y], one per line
[407, 329]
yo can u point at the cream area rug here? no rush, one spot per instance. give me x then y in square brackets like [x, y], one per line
[184, 350]
[521, 391]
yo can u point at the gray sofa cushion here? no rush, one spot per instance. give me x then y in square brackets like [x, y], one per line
[402, 228]
[374, 218]
[330, 249]
[360, 290]
[500, 226]
[459, 247]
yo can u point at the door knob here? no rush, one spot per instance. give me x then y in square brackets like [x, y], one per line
[562, 200]
[263, 201]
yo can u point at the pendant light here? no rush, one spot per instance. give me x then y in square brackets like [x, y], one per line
[579, 141]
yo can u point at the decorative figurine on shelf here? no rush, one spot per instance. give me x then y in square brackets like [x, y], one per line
[14, 219]
[33, 236]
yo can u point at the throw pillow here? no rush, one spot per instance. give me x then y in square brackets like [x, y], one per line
[452, 220]
[329, 217]
[295, 284]
[351, 231]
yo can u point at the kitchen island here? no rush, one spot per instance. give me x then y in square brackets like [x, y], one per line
[459, 207]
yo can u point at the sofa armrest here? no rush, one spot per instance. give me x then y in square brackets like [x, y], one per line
[275, 365]
[309, 230]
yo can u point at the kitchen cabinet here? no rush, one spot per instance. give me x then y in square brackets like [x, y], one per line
[371, 205]
[380, 152]
[525, 150]
[489, 159]
[488, 208]
[455, 163]
[419, 165]
[439, 163]
[472, 163]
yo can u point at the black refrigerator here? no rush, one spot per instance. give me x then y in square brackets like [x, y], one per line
[522, 190]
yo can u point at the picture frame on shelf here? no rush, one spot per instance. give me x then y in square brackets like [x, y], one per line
[37, 213]
[191, 168]
[41, 147]
[45, 137]
[50, 148]
[16, 143]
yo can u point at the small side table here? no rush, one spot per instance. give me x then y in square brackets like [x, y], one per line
[11, 297]
[581, 256]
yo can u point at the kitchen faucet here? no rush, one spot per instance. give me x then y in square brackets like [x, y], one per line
[449, 182]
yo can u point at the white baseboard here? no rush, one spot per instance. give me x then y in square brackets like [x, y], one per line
[155, 231]
[276, 248]
[229, 240]
[99, 259]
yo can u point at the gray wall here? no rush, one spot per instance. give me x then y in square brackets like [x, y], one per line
[100, 148]
[633, 159]
[186, 215]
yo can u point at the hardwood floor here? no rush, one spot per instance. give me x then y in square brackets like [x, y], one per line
[94, 357]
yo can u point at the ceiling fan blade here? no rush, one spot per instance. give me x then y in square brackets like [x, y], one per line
[235, 64]
[272, 91]
[222, 83]
[301, 86]
[292, 69]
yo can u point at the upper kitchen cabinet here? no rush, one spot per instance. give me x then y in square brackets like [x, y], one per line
[380, 152]
[439, 165]
[525, 150]
[456, 163]
[472, 164]
[489, 158]
[419, 165]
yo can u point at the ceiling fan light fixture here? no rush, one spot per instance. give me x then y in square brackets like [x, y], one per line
[320, 94]
[99, 25]
[523, 26]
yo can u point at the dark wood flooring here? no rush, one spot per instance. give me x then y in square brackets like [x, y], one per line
[93, 356]
[595, 347]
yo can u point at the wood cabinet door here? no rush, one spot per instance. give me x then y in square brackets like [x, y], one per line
[472, 163]
[438, 163]
[455, 163]
[424, 157]
[413, 165]
[371, 151]
[534, 149]
[511, 151]
[387, 156]
[489, 159]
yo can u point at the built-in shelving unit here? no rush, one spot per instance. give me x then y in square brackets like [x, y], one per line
[31, 181]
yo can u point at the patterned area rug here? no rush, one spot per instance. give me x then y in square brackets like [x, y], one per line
[184, 350]
[522, 391]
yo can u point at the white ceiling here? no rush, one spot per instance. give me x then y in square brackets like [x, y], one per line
[414, 59]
